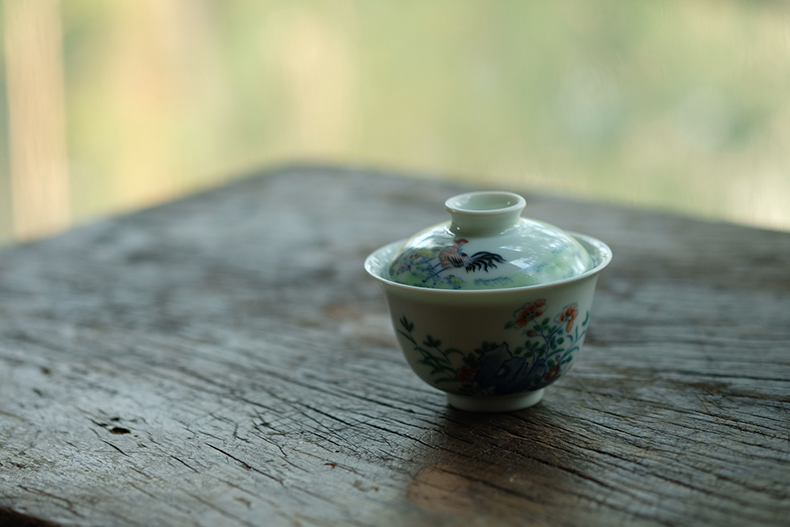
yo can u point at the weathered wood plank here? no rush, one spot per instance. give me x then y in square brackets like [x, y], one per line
[225, 360]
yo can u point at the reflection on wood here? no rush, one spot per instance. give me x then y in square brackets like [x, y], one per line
[34, 77]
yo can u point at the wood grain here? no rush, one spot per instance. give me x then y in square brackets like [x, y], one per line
[224, 360]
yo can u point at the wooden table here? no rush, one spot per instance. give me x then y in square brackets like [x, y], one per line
[225, 360]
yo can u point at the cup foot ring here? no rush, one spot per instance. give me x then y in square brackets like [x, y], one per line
[494, 404]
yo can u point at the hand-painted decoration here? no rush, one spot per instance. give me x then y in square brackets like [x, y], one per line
[428, 267]
[453, 256]
[541, 352]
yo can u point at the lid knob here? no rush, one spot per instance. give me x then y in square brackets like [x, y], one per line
[484, 213]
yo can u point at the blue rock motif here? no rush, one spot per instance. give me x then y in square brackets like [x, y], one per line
[503, 373]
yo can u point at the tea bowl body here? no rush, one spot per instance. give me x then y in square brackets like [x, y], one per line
[491, 350]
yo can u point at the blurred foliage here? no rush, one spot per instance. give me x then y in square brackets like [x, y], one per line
[677, 105]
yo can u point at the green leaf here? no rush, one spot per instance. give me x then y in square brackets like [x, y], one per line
[408, 326]
[560, 340]
[428, 362]
[545, 322]
[510, 325]
[431, 342]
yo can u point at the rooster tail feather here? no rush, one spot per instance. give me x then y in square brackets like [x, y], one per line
[483, 260]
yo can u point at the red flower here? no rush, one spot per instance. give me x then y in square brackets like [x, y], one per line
[553, 372]
[532, 333]
[466, 374]
[569, 315]
[530, 312]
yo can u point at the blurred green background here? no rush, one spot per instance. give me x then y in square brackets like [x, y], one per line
[674, 105]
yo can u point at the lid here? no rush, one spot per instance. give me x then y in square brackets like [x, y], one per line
[488, 245]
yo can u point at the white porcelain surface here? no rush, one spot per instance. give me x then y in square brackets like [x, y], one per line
[504, 403]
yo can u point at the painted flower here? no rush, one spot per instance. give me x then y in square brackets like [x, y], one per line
[530, 312]
[532, 333]
[553, 372]
[568, 315]
[466, 374]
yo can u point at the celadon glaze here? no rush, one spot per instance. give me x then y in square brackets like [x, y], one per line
[487, 245]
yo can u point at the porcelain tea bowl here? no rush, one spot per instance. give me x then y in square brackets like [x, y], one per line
[492, 346]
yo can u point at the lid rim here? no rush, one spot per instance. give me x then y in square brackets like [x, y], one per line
[603, 256]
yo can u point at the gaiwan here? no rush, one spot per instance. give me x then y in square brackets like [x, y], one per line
[490, 307]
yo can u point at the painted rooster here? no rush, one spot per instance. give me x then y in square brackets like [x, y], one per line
[453, 256]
